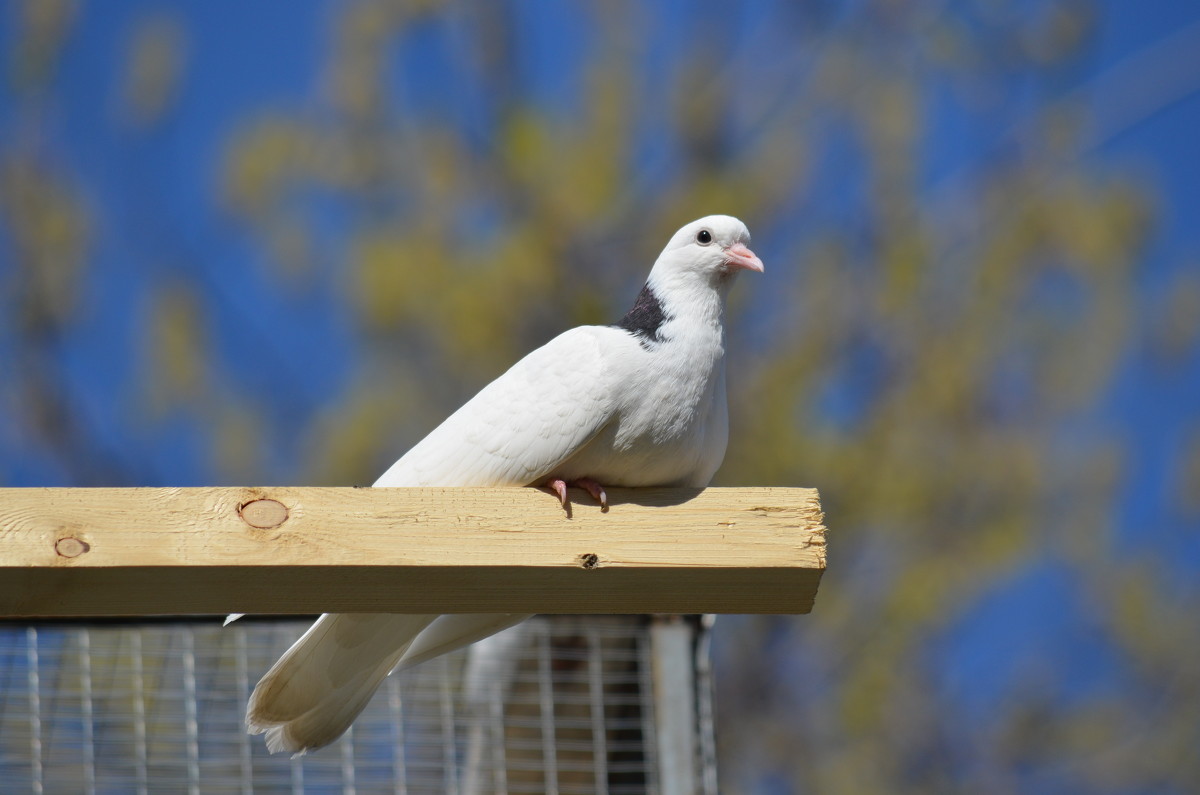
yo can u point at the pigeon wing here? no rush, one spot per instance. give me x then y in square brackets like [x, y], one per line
[523, 425]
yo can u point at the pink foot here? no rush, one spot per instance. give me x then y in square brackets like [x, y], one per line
[596, 490]
[559, 487]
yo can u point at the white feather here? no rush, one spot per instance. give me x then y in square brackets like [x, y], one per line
[319, 686]
[448, 633]
[526, 422]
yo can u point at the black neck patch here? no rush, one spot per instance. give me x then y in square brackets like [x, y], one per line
[645, 319]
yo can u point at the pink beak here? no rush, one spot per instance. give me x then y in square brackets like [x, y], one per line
[738, 256]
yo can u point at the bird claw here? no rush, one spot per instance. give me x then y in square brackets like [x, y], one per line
[595, 490]
[559, 487]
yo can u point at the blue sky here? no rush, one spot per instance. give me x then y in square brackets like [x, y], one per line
[156, 194]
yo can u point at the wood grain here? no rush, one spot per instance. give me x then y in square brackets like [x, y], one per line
[172, 551]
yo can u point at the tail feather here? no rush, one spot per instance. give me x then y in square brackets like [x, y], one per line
[451, 632]
[319, 686]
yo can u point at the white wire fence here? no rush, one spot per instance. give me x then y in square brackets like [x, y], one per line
[566, 705]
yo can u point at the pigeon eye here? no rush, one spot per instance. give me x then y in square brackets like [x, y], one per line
[704, 237]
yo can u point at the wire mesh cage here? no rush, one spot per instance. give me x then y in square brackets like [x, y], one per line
[590, 704]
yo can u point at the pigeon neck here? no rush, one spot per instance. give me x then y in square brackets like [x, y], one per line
[668, 309]
[646, 319]
[698, 300]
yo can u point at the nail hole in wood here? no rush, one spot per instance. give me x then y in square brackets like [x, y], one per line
[589, 560]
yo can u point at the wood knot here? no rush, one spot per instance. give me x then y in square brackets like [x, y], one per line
[71, 547]
[589, 560]
[263, 514]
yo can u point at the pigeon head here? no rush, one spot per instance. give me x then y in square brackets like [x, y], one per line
[712, 248]
[703, 256]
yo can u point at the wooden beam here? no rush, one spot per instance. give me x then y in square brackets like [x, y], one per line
[172, 551]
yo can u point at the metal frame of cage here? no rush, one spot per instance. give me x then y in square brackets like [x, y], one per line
[578, 704]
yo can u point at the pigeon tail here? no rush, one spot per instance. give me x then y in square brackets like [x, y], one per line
[319, 686]
[451, 632]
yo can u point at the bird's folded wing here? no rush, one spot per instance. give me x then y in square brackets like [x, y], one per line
[528, 421]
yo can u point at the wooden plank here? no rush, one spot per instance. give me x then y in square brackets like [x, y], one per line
[172, 551]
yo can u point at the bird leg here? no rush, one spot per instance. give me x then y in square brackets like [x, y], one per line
[559, 487]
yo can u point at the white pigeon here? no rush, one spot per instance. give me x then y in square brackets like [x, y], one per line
[638, 403]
